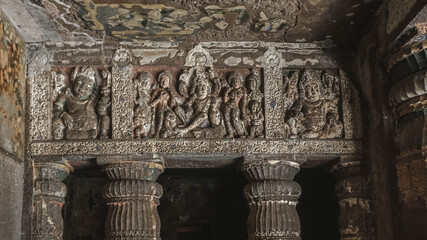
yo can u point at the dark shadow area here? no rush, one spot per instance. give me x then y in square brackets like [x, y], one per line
[318, 207]
[85, 209]
[203, 204]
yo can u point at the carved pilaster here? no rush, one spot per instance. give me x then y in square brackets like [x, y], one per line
[39, 91]
[353, 192]
[273, 82]
[122, 104]
[132, 198]
[272, 197]
[49, 194]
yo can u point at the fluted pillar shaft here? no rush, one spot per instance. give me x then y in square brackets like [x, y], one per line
[132, 198]
[353, 192]
[408, 95]
[272, 197]
[49, 195]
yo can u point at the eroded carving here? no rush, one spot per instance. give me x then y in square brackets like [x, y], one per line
[163, 100]
[312, 110]
[77, 112]
[142, 111]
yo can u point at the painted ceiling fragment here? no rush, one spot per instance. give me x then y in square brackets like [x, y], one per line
[132, 20]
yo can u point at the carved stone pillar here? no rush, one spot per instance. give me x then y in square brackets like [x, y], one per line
[272, 198]
[49, 194]
[353, 192]
[132, 198]
[408, 98]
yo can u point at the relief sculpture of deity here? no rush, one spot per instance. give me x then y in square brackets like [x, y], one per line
[77, 113]
[314, 114]
[202, 105]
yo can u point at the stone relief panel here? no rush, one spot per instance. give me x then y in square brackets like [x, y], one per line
[312, 98]
[197, 102]
[81, 106]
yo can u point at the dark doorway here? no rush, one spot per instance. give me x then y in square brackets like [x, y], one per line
[318, 206]
[203, 204]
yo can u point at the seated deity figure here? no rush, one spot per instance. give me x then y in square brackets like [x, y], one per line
[162, 100]
[74, 111]
[194, 111]
[309, 113]
[142, 118]
[235, 99]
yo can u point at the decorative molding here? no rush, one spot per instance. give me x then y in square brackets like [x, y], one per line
[198, 146]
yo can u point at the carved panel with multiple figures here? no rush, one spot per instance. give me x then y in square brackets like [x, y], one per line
[197, 102]
[81, 103]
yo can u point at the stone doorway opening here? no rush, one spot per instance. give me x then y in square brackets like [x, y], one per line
[203, 204]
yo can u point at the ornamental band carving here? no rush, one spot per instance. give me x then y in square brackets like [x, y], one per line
[268, 108]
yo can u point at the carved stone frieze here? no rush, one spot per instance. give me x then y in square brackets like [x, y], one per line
[81, 109]
[199, 103]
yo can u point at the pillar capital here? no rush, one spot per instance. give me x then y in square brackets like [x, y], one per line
[132, 197]
[272, 197]
[49, 196]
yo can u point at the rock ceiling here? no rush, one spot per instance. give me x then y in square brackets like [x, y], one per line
[224, 20]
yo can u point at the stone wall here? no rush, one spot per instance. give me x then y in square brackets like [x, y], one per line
[369, 69]
[12, 129]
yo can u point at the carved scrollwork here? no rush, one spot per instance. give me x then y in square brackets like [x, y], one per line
[311, 99]
[82, 109]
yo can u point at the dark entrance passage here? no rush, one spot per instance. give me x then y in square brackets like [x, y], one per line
[203, 204]
[318, 207]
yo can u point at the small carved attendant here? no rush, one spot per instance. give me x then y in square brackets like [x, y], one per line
[104, 105]
[142, 119]
[75, 109]
[256, 120]
[235, 99]
[291, 88]
[254, 84]
[184, 81]
[162, 100]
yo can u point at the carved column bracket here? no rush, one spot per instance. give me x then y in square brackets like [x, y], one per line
[49, 194]
[353, 192]
[272, 197]
[132, 198]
